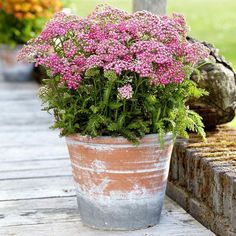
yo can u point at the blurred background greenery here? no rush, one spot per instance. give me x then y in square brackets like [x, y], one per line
[210, 20]
[21, 20]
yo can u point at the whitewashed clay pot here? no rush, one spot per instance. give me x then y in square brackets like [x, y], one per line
[120, 186]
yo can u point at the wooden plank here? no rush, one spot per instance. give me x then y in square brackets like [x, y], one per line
[60, 217]
[17, 86]
[38, 211]
[76, 228]
[34, 164]
[27, 127]
[35, 168]
[36, 188]
[23, 112]
[29, 118]
[11, 139]
[22, 153]
[20, 106]
[38, 173]
[18, 95]
[28, 208]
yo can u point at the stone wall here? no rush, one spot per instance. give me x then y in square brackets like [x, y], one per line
[202, 179]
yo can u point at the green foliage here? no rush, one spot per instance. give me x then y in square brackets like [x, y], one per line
[95, 109]
[14, 31]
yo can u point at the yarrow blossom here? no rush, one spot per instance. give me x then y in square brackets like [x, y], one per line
[153, 47]
[119, 74]
[126, 91]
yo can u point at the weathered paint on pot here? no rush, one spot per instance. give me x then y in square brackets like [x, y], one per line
[120, 186]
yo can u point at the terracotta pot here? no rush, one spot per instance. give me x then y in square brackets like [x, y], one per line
[10, 69]
[120, 186]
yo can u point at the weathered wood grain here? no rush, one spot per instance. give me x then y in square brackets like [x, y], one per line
[27, 118]
[38, 173]
[21, 110]
[26, 127]
[76, 228]
[18, 114]
[48, 216]
[22, 95]
[17, 106]
[12, 87]
[38, 168]
[22, 153]
[40, 138]
[34, 164]
[36, 188]
[38, 211]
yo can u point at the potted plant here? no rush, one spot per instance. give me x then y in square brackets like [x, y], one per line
[118, 87]
[20, 21]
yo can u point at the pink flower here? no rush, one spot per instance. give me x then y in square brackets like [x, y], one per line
[112, 40]
[70, 49]
[126, 91]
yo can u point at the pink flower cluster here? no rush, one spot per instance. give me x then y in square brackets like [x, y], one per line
[126, 91]
[154, 47]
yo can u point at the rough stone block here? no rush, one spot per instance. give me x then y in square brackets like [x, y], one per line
[173, 174]
[177, 194]
[200, 212]
[182, 166]
[205, 179]
[227, 194]
[232, 180]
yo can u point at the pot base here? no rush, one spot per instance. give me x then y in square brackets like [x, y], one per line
[120, 215]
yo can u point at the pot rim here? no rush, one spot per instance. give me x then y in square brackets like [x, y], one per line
[147, 139]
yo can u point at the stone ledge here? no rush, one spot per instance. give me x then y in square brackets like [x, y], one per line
[202, 179]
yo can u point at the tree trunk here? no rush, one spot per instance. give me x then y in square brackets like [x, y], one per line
[155, 6]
